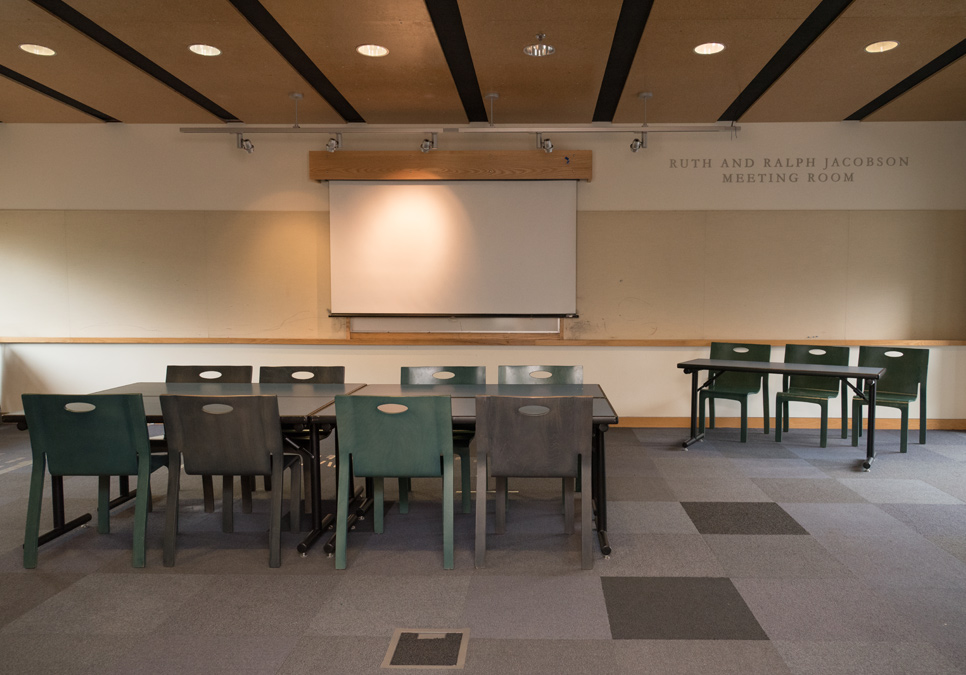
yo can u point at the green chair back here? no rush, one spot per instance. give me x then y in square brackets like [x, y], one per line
[302, 374]
[194, 374]
[742, 383]
[541, 375]
[443, 375]
[906, 369]
[818, 355]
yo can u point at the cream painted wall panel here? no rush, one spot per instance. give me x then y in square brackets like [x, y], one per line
[261, 274]
[136, 274]
[639, 274]
[778, 275]
[327, 327]
[907, 275]
[33, 274]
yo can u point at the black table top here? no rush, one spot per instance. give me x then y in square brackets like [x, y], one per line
[860, 372]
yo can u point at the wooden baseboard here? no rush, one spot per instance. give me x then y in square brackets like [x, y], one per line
[794, 423]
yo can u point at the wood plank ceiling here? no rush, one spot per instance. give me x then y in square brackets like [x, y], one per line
[784, 61]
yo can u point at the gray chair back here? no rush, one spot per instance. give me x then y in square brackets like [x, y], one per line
[541, 375]
[302, 374]
[442, 375]
[194, 374]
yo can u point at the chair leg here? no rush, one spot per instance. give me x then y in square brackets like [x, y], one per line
[103, 504]
[448, 512]
[275, 527]
[228, 503]
[208, 490]
[295, 497]
[586, 514]
[766, 403]
[500, 500]
[171, 510]
[904, 429]
[569, 505]
[466, 485]
[342, 515]
[379, 502]
[703, 401]
[781, 418]
[784, 410]
[744, 419]
[142, 502]
[404, 487]
[922, 421]
[247, 488]
[480, 510]
[711, 413]
[34, 502]
[823, 433]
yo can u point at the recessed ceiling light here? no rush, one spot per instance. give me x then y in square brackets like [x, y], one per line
[205, 50]
[709, 48]
[39, 50]
[372, 50]
[884, 46]
[539, 49]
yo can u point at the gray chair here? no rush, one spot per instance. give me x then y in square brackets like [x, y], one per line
[461, 437]
[200, 374]
[99, 435]
[227, 436]
[812, 389]
[557, 432]
[540, 375]
[737, 386]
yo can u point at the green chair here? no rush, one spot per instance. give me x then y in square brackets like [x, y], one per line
[812, 389]
[557, 432]
[96, 435]
[393, 437]
[737, 386]
[227, 436]
[903, 382]
[461, 437]
[540, 375]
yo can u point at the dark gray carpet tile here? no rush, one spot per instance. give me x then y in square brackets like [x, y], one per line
[774, 557]
[11, 540]
[215, 552]
[950, 481]
[530, 516]
[659, 555]
[843, 610]
[699, 657]
[658, 436]
[81, 551]
[898, 559]
[638, 489]
[741, 518]
[535, 607]
[864, 658]
[794, 468]
[678, 608]
[376, 606]
[897, 490]
[487, 656]
[954, 653]
[552, 554]
[662, 517]
[110, 604]
[629, 462]
[808, 490]
[939, 614]
[931, 519]
[624, 435]
[708, 488]
[50, 654]
[21, 593]
[695, 463]
[844, 519]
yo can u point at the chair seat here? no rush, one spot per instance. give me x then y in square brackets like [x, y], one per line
[797, 393]
[886, 398]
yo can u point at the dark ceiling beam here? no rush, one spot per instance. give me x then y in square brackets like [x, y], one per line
[928, 70]
[821, 18]
[448, 24]
[56, 95]
[79, 22]
[627, 38]
[262, 21]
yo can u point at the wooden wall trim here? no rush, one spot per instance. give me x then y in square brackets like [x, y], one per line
[451, 165]
[422, 339]
[795, 423]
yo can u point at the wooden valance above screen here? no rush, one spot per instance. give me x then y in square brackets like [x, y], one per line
[451, 165]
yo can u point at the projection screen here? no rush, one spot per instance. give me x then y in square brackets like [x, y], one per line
[453, 248]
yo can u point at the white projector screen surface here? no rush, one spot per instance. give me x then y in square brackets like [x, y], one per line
[453, 247]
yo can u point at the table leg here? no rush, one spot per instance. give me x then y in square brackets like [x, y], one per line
[57, 503]
[694, 412]
[599, 467]
[870, 440]
[319, 524]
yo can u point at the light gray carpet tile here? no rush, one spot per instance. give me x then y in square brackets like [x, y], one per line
[756, 451]
[823, 610]
[808, 490]
[939, 614]
[24, 591]
[774, 557]
[898, 491]
[900, 559]
[955, 546]
[487, 656]
[535, 607]
[844, 519]
[341, 655]
[408, 554]
[660, 555]
[51, 654]
[678, 608]
[792, 467]
[699, 657]
[931, 519]
[631, 461]
[864, 658]
[707, 488]
[696, 463]
[371, 606]
[553, 554]
[741, 518]
[639, 489]
[662, 517]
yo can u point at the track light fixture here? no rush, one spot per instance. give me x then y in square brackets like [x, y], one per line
[334, 143]
[547, 146]
[639, 143]
[245, 144]
[428, 145]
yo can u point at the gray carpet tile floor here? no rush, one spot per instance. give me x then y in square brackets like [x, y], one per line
[751, 558]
